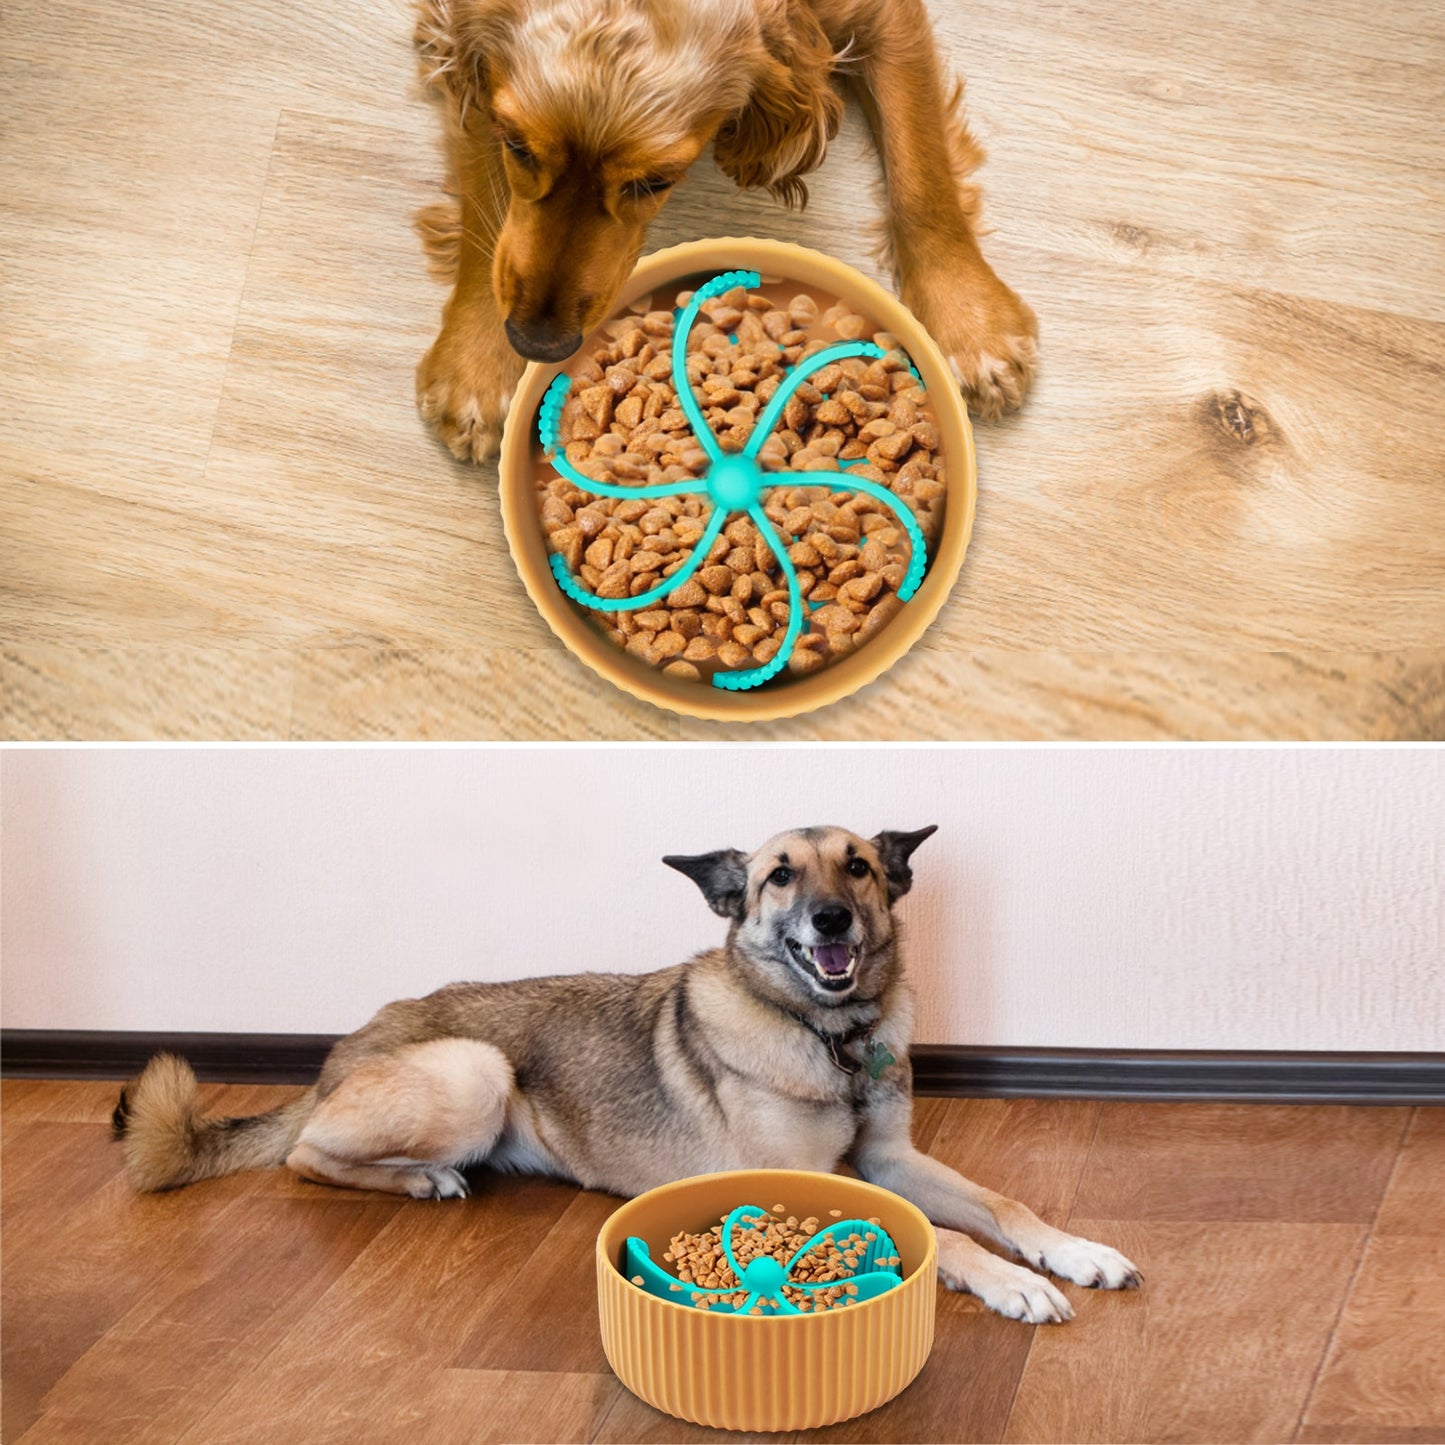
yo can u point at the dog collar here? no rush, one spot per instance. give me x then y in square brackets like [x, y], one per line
[877, 1057]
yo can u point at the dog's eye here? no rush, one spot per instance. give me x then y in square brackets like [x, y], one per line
[857, 868]
[519, 152]
[781, 876]
[651, 186]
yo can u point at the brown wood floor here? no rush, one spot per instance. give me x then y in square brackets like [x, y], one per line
[1295, 1262]
[1220, 514]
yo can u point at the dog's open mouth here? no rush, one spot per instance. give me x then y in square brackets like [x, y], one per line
[833, 964]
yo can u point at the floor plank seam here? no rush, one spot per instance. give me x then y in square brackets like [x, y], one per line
[255, 1367]
[222, 1217]
[1068, 1220]
[245, 287]
[607, 1413]
[1388, 315]
[1329, 1344]
[1084, 1167]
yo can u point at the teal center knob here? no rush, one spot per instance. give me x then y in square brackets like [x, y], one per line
[735, 482]
[764, 1275]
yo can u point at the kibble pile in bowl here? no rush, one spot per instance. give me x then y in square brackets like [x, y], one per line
[847, 477]
[699, 1259]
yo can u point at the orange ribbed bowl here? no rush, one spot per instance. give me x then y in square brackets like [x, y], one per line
[785, 696]
[740, 1372]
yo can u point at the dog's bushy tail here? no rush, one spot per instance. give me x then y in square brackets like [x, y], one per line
[168, 1143]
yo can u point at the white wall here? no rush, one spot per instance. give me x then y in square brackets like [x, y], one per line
[1177, 898]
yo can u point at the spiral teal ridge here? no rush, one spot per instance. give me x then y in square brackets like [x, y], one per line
[734, 482]
[764, 1278]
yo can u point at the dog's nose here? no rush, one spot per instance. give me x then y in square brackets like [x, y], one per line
[539, 342]
[830, 922]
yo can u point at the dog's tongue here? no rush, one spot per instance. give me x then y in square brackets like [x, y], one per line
[831, 957]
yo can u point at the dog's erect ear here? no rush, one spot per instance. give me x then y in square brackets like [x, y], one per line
[894, 851]
[722, 876]
[792, 112]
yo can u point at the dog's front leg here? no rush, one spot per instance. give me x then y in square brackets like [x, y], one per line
[884, 1155]
[465, 382]
[988, 334]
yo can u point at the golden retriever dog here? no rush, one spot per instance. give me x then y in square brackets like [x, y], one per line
[568, 121]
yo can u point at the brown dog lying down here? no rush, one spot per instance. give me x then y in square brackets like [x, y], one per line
[569, 120]
[785, 1048]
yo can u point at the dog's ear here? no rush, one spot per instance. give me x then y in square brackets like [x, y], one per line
[894, 851]
[453, 40]
[722, 876]
[792, 111]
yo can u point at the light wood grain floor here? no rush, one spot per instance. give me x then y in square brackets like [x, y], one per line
[1222, 513]
[1295, 1291]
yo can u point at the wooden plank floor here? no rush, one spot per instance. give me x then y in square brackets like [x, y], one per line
[1220, 515]
[1295, 1262]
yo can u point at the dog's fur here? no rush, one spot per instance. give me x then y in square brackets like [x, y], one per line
[568, 120]
[750, 1056]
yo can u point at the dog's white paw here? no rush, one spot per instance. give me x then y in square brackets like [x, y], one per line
[1095, 1266]
[1020, 1294]
[464, 386]
[1006, 1288]
[436, 1181]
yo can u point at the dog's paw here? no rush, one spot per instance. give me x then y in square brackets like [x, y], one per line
[1006, 1288]
[1095, 1266]
[464, 391]
[1017, 1294]
[437, 1181]
[988, 334]
[994, 379]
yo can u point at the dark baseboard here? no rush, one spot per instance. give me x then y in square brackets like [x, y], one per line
[216, 1058]
[1240, 1076]
[951, 1071]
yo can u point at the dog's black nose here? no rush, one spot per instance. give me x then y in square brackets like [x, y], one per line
[832, 921]
[538, 342]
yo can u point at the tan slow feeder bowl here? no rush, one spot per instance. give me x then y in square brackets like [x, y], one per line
[740, 1372]
[784, 696]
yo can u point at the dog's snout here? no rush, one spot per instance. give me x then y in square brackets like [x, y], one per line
[538, 341]
[833, 920]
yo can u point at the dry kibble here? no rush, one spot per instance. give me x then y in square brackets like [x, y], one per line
[690, 594]
[640, 645]
[615, 580]
[624, 424]
[862, 589]
[879, 617]
[701, 1261]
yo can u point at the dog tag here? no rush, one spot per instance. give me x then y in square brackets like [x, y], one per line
[877, 1058]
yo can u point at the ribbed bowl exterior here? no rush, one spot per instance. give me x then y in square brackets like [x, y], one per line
[739, 1372]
